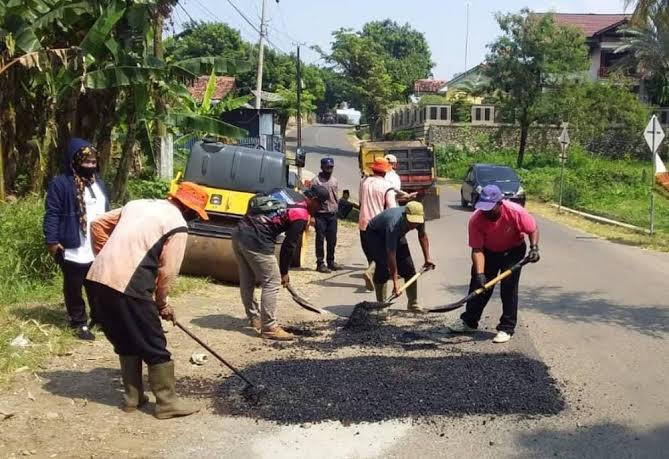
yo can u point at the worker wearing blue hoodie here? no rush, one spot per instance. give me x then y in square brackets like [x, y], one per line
[73, 200]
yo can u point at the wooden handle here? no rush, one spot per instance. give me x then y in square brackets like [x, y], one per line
[406, 285]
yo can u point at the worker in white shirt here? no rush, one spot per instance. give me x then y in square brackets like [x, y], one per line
[396, 182]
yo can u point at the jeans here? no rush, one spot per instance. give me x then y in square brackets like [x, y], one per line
[496, 262]
[264, 269]
[326, 230]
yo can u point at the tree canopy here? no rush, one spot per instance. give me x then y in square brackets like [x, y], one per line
[380, 64]
[532, 54]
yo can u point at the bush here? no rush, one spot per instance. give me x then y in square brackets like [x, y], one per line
[401, 135]
[25, 265]
[148, 189]
[617, 189]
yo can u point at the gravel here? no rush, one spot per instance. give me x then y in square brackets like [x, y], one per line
[405, 367]
[377, 388]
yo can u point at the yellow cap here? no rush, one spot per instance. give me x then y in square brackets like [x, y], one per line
[415, 213]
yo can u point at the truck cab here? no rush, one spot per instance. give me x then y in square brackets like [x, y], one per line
[416, 166]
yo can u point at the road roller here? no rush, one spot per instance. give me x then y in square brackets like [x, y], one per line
[232, 175]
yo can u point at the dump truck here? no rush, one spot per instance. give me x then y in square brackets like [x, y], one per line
[232, 175]
[416, 166]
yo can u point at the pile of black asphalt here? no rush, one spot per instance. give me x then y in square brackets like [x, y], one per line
[404, 367]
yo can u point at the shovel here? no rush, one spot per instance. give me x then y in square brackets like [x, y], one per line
[503, 275]
[302, 302]
[251, 392]
[384, 304]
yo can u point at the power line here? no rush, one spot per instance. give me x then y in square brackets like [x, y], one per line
[187, 13]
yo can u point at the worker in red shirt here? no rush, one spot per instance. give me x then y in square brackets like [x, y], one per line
[497, 232]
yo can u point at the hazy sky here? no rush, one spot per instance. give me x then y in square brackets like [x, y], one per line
[442, 21]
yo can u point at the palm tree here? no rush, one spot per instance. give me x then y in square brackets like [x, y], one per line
[647, 47]
[643, 8]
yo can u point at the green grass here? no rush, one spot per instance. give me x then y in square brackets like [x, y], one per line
[31, 291]
[617, 189]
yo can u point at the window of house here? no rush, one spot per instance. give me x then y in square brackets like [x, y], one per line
[443, 113]
[433, 113]
[486, 114]
[477, 114]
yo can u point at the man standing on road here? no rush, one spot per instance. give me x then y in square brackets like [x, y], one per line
[375, 196]
[75, 198]
[326, 218]
[390, 249]
[283, 211]
[140, 249]
[396, 182]
[497, 232]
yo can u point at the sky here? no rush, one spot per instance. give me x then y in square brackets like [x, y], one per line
[311, 22]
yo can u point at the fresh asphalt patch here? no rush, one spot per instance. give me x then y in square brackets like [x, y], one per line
[404, 367]
[378, 388]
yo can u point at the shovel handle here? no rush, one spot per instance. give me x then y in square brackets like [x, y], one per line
[407, 284]
[213, 352]
[503, 275]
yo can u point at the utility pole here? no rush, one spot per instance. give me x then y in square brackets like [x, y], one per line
[467, 4]
[299, 99]
[261, 55]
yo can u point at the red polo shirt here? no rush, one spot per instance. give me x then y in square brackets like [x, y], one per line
[503, 234]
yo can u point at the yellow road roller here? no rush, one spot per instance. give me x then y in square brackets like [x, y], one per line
[231, 174]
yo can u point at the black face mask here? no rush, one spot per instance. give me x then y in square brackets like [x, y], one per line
[326, 175]
[86, 172]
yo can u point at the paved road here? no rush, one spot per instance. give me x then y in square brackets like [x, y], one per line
[332, 140]
[594, 311]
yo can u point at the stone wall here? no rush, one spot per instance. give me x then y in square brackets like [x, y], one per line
[614, 143]
[472, 137]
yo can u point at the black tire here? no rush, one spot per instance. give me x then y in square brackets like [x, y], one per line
[475, 199]
[463, 201]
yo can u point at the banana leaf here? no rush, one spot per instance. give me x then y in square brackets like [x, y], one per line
[94, 42]
[114, 77]
[194, 122]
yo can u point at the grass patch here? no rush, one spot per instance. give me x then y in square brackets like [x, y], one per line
[616, 189]
[31, 291]
[44, 325]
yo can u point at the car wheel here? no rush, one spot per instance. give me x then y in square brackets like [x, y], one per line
[475, 199]
[463, 201]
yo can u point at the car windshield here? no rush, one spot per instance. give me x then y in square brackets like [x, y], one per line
[496, 174]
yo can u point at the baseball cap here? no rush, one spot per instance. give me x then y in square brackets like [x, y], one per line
[318, 193]
[490, 196]
[327, 162]
[391, 158]
[380, 165]
[192, 196]
[415, 213]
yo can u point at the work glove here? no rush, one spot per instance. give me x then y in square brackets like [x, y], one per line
[533, 256]
[480, 279]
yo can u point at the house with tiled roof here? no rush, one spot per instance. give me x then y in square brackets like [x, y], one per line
[427, 86]
[224, 86]
[603, 34]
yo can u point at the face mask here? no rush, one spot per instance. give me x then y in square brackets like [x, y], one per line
[326, 174]
[86, 172]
